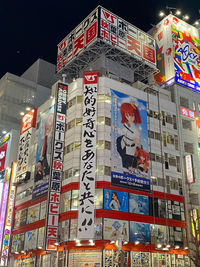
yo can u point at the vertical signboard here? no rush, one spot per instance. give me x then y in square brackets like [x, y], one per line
[9, 217]
[189, 169]
[3, 149]
[194, 224]
[129, 142]
[3, 209]
[26, 136]
[88, 158]
[43, 153]
[55, 179]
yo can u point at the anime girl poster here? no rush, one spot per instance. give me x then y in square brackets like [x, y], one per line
[129, 142]
[44, 149]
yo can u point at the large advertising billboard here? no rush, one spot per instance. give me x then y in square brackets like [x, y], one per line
[129, 142]
[3, 150]
[43, 153]
[115, 200]
[86, 207]
[178, 52]
[27, 131]
[103, 25]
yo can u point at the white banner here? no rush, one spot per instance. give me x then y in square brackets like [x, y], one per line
[88, 158]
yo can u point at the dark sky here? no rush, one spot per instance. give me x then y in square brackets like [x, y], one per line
[32, 29]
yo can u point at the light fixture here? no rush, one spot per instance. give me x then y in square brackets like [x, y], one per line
[40, 247]
[137, 242]
[161, 14]
[22, 251]
[56, 244]
[186, 17]
[22, 113]
[185, 247]
[165, 248]
[28, 109]
[125, 242]
[112, 242]
[77, 241]
[16, 252]
[159, 245]
[168, 246]
[51, 96]
[74, 79]
[4, 132]
[196, 22]
[135, 233]
[177, 247]
[178, 12]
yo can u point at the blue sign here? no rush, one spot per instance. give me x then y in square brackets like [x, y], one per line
[138, 204]
[139, 232]
[115, 200]
[130, 181]
[40, 191]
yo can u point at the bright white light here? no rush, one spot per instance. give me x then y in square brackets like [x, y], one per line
[112, 242]
[159, 246]
[125, 242]
[22, 113]
[177, 247]
[137, 242]
[196, 22]
[77, 241]
[28, 108]
[178, 12]
[186, 17]
[135, 233]
[168, 246]
[185, 247]
[40, 247]
[161, 14]
[56, 244]
[4, 132]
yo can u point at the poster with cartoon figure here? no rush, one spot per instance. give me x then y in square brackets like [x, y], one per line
[115, 200]
[138, 204]
[43, 152]
[139, 232]
[115, 230]
[129, 142]
[31, 239]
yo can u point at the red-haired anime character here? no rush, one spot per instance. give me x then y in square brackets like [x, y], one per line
[142, 159]
[127, 143]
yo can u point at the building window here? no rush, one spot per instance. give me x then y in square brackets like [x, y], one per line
[186, 124]
[151, 134]
[174, 122]
[107, 145]
[172, 162]
[157, 136]
[176, 142]
[152, 156]
[169, 119]
[184, 102]
[164, 138]
[194, 198]
[107, 121]
[188, 147]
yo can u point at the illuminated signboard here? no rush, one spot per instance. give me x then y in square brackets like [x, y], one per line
[56, 171]
[188, 113]
[3, 209]
[9, 218]
[178, 52]
[103, 25]
[189, 169]
[88, 158]
[194, 223]
[3, 149]
[26, 135]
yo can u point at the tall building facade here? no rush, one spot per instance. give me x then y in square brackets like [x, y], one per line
[104, 185]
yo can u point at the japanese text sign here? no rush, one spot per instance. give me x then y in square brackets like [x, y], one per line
[55, 181]
[188, 113]
[3, 149]
[189, 169]
[88, 158]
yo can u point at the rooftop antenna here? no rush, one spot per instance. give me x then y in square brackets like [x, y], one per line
[170, 9]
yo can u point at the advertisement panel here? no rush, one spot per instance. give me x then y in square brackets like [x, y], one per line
[54, 189]
[139, 232]
[40, 239]
[9, 217]
[86, 207]
[138, 204]
[158, 234]
[26, 139]
[30, 240]
[83, 258]
[189, 169]
[178, 52]
[188, 113]
[43, 153]
[115, 258]
[116, 230]
[139, 259]
[126, 37]
[77, 40]
[129, 142]
[33, 213]
[3, 149]
[194, 224]
[3, 209]
[115, 200]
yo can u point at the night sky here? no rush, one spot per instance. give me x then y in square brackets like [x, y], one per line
[32, 29]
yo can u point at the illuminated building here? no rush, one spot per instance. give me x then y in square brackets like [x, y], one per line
[118, 143]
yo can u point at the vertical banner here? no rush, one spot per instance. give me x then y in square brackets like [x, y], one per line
[26, 139]
[9, 217]
[55, 179]
[88, 158]
[189, 169]
[129, 142]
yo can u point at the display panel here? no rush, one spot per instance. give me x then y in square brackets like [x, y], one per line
[139, 232]
[115, 258]
[129, 142]
[33, 213]
[31, 239]
[138, 204]
[116, 230]
[115, 200]
[83, 258]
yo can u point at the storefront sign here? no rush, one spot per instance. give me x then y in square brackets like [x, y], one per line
[189, 169]
[57, 167]
[188, 113]
[88, 158]
[3, 150]
[9, 217]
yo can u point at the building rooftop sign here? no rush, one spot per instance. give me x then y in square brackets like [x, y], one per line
[104, 32]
